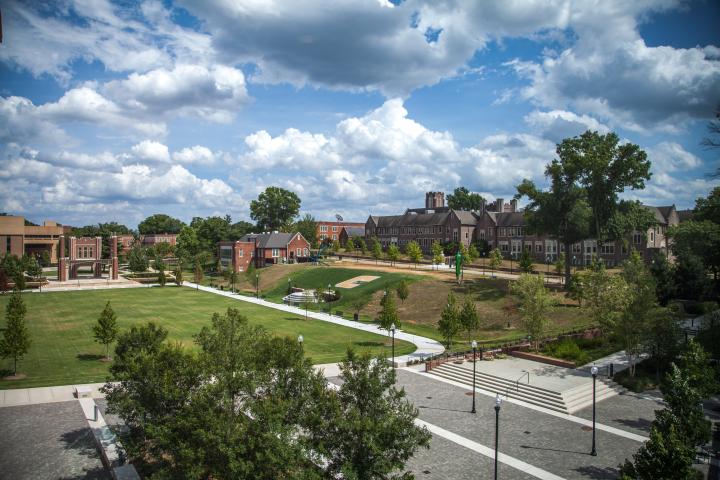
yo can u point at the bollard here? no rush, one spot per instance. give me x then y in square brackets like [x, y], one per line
[612, 370]
[95, 413]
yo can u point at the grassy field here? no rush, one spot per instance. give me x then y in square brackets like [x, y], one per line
[64, 351]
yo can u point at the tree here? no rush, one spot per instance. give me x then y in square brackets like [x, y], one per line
[4, 282]
[137, 260]
[495, 260]
[105, 330]
[388, 314]
[198, 272]
[104, 230]
[449, 324]
[259, 402]
[602, 296]
[250, 274]
[604, 169]
[525, 262]
[414, 252]
[463, 199]
[468, 317]
[472, 254]
[708, 208]
[438, 256]
[275, 208]
[164, 249]
[234, 279]
[662, 272]
[45, 258]
[376, 249]
[212, 230]
[335, 246]
[160, 223]
[699, 238]
[372, 432]
[535, 304]
[690, 277]
[178, 275]
[15, 341]
[393, 253]
[188, 245]
[307, 226]
[34, 269]
[360, 243]
[560, 263]
[402, 290]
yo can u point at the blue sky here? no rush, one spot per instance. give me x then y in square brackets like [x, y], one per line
[115, 111]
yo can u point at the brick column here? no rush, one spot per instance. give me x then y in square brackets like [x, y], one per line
[62, 269]
[113, 255]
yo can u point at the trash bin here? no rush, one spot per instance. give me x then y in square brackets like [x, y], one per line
[356, 317]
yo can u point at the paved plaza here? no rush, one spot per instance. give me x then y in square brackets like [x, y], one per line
[48, 441]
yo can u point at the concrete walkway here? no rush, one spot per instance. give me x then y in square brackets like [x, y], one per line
[426, 347]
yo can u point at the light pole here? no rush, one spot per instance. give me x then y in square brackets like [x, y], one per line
[574, 265]
[474, 348]
[329, 299]
[594, 371]
[392, 330]
[498, 401]
[482, 255]
[257, 285]
[547, 276]
[512, 255]
[301, 340]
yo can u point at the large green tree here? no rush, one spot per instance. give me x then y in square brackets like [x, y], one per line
[15, 341]
[188, 245]
[138, 260]
[307, 226]
[275, 208]
[535, 303]
[370, 432]
[160, 223]
[463, 199]
[212, 230]
[605, 169]
[388, 315]
[708, 208]
[698, 238]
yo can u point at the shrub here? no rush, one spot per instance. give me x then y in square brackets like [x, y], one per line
[567, 349]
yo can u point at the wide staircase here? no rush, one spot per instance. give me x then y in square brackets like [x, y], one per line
[568, 402]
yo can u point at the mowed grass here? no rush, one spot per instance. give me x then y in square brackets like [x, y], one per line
[64, 352]
[313, 277]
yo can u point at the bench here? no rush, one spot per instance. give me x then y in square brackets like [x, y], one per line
[83, 392]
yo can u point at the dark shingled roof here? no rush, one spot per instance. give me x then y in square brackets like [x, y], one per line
[424, 210]
[685, 215]
[411, 219]
[269, 240]
[355, 231]
[508, 219]
[661, 213]
[466, 217]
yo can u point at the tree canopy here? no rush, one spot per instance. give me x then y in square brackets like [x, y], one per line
[275, 208]
[463, 199]
[307, 226]
[160, 223]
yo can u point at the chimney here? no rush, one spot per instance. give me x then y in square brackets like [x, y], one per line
[513, 205]
[499, 202]
[482, 206]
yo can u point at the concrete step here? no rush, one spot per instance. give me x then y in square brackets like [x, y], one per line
[505, 381]
[539, 397]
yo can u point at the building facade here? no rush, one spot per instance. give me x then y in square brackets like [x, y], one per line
[502, 225]
[330, 231]
[19, 239]
[263, 249]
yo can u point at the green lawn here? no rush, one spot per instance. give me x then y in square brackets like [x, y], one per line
[64, 352]
[320, 277]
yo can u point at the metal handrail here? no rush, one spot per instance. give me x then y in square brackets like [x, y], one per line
[517, 382]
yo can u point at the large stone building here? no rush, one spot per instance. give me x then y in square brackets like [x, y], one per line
[17, 238]
[502, 225]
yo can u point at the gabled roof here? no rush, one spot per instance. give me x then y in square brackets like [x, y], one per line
[661, 213]
[510, 219]
[355, 231]
[269, 240]
[466, 217]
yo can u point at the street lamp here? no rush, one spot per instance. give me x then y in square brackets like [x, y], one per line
[498, 401]
[574, 264]
[329, 299]
[547, 276]
[474, 348]
[392, 330]
[482, 255]
[300, 340]
[257, 285]
[594, 371]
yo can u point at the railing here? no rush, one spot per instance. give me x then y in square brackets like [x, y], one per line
[517, 382]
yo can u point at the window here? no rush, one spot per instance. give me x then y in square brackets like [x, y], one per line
[334, 236]
[275, 252]
[298, 251]
[323, 228]
[503, 246]
[538, 247]
[576, 248]
[466, 234]
[652, 236]
[607, 249]
[455, 235]
[242, 253]
[334, 229]
[305, 252]
[8, 244]
[637, 238]
[481, 234]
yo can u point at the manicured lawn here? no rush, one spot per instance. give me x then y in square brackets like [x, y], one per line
[64, 352]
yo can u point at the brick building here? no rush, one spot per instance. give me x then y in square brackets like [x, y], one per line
[263, 249]
[331, 231]
[502, 225]
[19, 239]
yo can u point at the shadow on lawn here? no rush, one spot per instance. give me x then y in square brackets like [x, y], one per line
[368, 343]
[89, 357]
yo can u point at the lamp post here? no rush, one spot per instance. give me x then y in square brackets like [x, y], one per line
[474, 348]
[547, 276]
[257, 285]
[512, 255]
[328, 298]
[482, 255]
[300, 340]
[574, 265]
[594, 371]
[498, 401]
[392, 330]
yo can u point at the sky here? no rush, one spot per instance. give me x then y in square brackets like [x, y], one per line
[114, 111]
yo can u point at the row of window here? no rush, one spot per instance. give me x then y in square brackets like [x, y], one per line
[85, 252]
[324, 228]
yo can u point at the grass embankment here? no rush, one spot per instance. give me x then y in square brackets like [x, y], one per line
[63, 350]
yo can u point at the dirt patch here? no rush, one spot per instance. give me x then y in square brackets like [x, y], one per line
[356, 281]
[19, 376]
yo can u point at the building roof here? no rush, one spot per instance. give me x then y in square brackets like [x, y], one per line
[411, 220]
[685, 215]
[355, 231]
[662, 214]
[269, 240]
[425, 210]
[466, 217]
[507, 219]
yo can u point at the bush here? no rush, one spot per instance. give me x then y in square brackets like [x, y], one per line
[567, 349]
[709, 307]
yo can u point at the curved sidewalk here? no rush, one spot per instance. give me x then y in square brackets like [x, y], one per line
[425, 346]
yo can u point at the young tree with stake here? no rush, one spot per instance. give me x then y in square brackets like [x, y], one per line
[106, 329]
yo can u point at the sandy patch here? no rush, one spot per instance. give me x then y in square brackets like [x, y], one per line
[355, 281]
